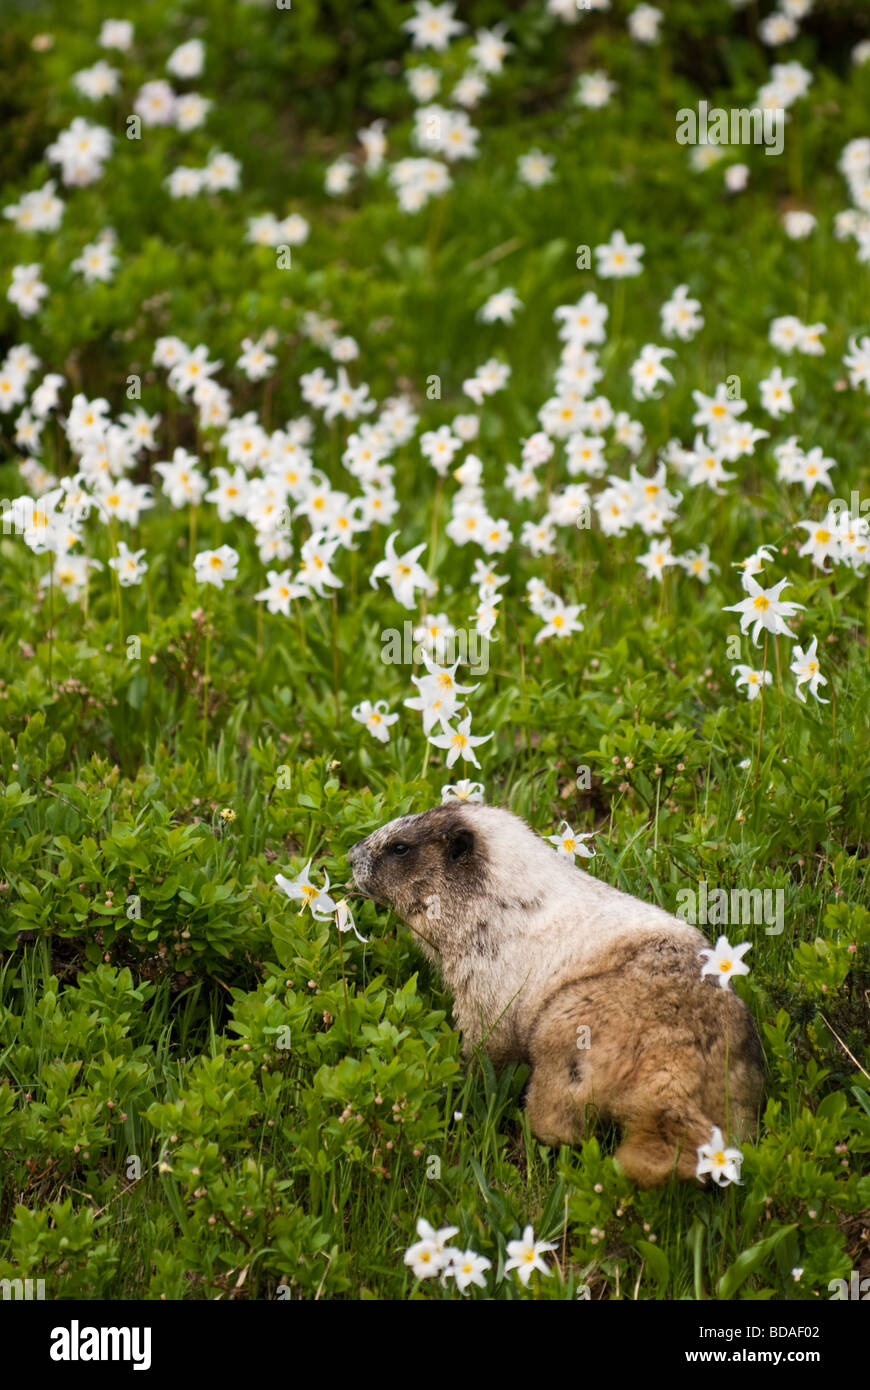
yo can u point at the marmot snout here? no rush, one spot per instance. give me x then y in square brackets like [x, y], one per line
[599, 992]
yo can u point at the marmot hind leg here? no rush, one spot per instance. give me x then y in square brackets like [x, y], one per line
[659, 1146]
[665, 1055]
[666, 1117]
[556, 1105]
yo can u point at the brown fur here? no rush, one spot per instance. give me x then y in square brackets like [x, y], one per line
[680, 1061]
[533, 948]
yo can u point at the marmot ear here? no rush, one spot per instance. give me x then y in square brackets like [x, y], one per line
[460, 845]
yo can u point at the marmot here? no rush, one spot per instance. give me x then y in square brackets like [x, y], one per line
[598, 992]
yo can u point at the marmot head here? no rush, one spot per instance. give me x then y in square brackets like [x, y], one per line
[440, 867]
[425, 865]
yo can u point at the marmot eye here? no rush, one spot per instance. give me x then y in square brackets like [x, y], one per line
[399, 848]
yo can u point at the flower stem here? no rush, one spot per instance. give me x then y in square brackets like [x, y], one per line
[616, 316]
[344, 983]
[206, 682]
[150, 611]
[779, 687]
[300, 627]
[761, 713]
[433, 535]
[50, 621]
[335, 682]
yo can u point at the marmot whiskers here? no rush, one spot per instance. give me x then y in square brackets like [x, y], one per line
[600, 993]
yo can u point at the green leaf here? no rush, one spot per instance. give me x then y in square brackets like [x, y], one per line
[747, 1262]
[862, 1098]
[656, 1260]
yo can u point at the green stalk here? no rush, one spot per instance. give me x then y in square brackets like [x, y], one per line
[344, 983]
[761, 714]
[335, 683]
[50, 622]
[779, 686]
[206, 682]
[617, 313]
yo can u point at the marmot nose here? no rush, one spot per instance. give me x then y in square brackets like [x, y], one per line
[360, 861]
[357, 857]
